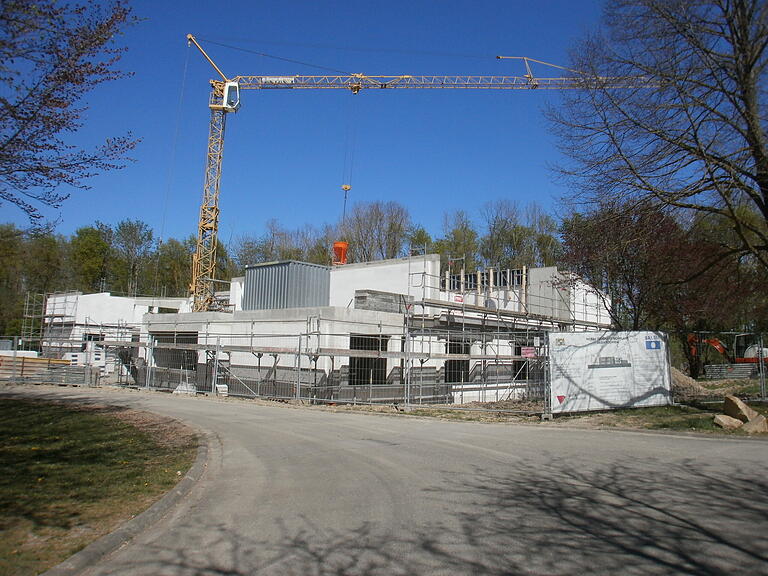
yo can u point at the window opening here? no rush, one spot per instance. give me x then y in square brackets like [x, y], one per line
[365, 371]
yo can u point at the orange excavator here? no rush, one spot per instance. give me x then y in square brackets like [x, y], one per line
[746, 348]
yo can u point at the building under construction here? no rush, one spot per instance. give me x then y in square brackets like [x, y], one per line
[384, 331]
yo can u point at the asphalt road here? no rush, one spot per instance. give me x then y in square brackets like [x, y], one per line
[295, 491]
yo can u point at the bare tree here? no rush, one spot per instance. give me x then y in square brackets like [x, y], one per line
[377, 230]
[51, 55]
[691, 134]
[133, 243]
[514, 238]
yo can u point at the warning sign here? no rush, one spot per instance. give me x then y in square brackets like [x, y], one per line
[604, 370]
[528, 352]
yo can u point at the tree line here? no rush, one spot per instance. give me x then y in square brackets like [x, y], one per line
[128, 258]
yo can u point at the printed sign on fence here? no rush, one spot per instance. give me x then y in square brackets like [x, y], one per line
[528, 352]
[605, 370]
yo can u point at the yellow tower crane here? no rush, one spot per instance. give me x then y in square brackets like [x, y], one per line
[225, 98]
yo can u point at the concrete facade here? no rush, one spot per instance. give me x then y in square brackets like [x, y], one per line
[386, 322]
[401, 307]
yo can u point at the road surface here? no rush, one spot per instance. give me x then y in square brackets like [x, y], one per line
[292, 491]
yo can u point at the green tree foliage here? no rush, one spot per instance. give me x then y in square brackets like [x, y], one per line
[174, 268]
[124, 258]
[459, 242]
[45, 268]
[225, 265]
[419, 240]
[11, 279]
[89, 256]
[29, 262]
[317, 244]
[275, 244]
[51, 55]
[307, 244]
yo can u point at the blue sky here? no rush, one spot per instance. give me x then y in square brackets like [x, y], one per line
[432, 151]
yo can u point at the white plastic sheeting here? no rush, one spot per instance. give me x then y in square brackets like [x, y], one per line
[606, 370]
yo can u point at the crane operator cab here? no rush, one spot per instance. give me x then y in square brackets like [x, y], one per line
[230, 101]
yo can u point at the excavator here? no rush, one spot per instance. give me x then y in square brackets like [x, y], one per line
[746, 348]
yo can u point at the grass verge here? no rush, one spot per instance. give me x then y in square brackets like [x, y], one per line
[691, 418]
[695, 418]
[70, 474]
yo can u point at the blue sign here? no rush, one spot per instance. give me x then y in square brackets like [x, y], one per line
[653, 344]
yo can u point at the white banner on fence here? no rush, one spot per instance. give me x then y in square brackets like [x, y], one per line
[604, 370]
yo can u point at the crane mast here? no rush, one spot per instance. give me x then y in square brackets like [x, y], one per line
[225, 98]
[204, 258]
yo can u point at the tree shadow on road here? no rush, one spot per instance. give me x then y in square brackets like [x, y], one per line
[638, 517]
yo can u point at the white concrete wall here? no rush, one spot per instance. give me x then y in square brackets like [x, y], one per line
[236, 292]
[589, 306]
[19, 353]
[103, 308]
[281, 329]
[386, 276]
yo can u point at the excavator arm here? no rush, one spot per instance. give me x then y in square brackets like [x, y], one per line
[695, 341]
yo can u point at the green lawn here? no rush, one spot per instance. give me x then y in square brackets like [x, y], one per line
[69, 475]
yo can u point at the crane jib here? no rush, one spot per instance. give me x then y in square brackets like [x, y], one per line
[358, 82]
[225, 98]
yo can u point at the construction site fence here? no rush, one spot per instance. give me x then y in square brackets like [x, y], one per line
[25, 370]
[737, 360]
[293, 374]
[303, 380]
[297, 374]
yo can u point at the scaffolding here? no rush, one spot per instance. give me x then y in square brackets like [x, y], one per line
[452, 339]
[48, 320]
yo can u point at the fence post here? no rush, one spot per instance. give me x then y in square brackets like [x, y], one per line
[215, 378]
[15, 358]
[408, 365]
[547, 415]
[298, 371]
[761, 360]
[148, 363]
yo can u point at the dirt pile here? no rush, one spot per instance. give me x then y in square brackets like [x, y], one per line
[686, 388]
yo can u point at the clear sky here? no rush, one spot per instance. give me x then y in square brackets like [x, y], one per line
[432, 151]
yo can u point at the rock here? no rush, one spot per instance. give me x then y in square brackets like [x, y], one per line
[735, 408]
[757, 425]
[728, 423]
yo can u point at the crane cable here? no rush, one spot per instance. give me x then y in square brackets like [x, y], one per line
[171, 166]
[265, 55]
[349, 154]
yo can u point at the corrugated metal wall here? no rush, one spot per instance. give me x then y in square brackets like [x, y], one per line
[287, 284]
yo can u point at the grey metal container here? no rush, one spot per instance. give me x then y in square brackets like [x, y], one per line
[287, 284]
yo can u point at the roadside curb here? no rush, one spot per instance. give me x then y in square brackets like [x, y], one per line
[97, 550]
